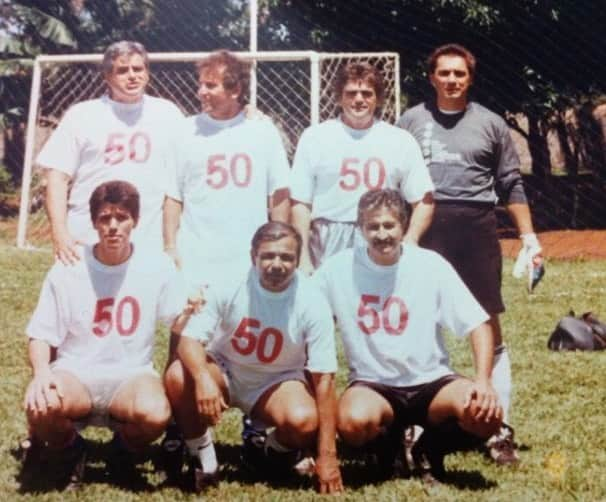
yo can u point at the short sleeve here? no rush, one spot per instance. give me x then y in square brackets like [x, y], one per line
[301, 178]
[278, 168]
[61, 151]
[48, 322]
[416, 180]
[320, 337]
[459, 310]
[173, 297]
[204, 325]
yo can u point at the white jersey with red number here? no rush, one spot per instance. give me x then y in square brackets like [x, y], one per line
[226, 170]
[262, 333]
[105, 316]
[102, 140]
[335, 165]
[390, 317]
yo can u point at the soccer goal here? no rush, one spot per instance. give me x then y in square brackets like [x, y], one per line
[293, 87]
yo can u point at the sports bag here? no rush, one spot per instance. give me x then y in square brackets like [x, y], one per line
[578, 333]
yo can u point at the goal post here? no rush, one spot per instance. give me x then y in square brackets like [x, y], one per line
[294, 88]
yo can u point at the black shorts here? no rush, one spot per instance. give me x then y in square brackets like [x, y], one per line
[410, 404]
[466, 235]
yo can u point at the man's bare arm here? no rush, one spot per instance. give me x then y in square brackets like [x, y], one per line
[301, 220]
[420, 219]
[64, 245]
[280, 205]
[171, 218]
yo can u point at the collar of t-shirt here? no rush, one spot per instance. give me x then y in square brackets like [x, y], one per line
[223, 124]
[92, 262]
[125, 107]
[357, 133]
[451, 112]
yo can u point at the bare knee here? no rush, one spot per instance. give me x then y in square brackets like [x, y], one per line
[301, 421]
[175, 379]
[151, 411]
[356, 425]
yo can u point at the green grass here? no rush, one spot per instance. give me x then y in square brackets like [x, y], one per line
[558, 407]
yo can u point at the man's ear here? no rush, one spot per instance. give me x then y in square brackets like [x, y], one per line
[252, 256]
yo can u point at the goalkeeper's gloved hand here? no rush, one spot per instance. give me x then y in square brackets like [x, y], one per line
[529, 261]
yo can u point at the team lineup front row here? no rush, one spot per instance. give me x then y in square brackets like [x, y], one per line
[262, 342]
[195, 191]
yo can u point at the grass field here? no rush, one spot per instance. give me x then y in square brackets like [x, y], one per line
[558, 409]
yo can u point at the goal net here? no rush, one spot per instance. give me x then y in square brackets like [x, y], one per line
[293, 88]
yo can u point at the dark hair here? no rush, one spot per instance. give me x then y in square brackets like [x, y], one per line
[449, 50]
[121, 193]
[386, 197]
[122, 48]
[360, 71]
[274, 231]
[236, 71]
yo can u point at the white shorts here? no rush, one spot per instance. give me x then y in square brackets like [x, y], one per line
[329, 237]
[241, 394]
[102, 386]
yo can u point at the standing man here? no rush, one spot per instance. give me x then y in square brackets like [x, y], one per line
[123, 135]
[340, 159]
[232, 172]
[390, 301]
[264, 344]
[91, 340]
[473, 162]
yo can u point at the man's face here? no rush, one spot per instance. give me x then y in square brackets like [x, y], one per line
[451, 80]
[128, 78]
[215, 100]
[358, 104]
[114, 224]
[276, 262]
[383, 233]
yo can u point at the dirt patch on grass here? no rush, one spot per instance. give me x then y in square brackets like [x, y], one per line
[565, 244]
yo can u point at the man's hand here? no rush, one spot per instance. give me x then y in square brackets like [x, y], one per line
[329, 474]
[43, 393]
[65, 247]
[529, 262]
[481, 399]
[209, 398]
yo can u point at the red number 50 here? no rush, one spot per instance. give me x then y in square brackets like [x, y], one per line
[103, 320]
[240, 171]
[245, 341]
[367, 313]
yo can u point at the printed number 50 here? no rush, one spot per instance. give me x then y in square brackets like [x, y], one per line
[245, 341]
[370, 320]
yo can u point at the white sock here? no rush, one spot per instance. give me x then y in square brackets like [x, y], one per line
[272, 442]
[501, 378]
[203, 448]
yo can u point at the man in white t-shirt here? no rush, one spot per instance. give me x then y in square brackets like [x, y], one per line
[340, 159]
[391, 301]
[232, 174]
[91, 340]
[263, 343]
[123, 135]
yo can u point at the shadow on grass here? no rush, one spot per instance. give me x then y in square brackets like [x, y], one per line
[40, 475]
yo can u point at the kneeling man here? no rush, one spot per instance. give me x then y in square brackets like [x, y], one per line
[91, 340]
[263, 343]
[391, 301]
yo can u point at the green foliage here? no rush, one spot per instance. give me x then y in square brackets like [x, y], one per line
[558, 406]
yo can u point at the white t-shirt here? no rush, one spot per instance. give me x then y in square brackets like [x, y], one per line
[335, 165]
[262, 333]
[390, 316]
[226, 170]
[101, 316]
[102, 140]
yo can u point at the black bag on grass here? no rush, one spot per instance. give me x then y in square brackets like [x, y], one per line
[578, 333]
